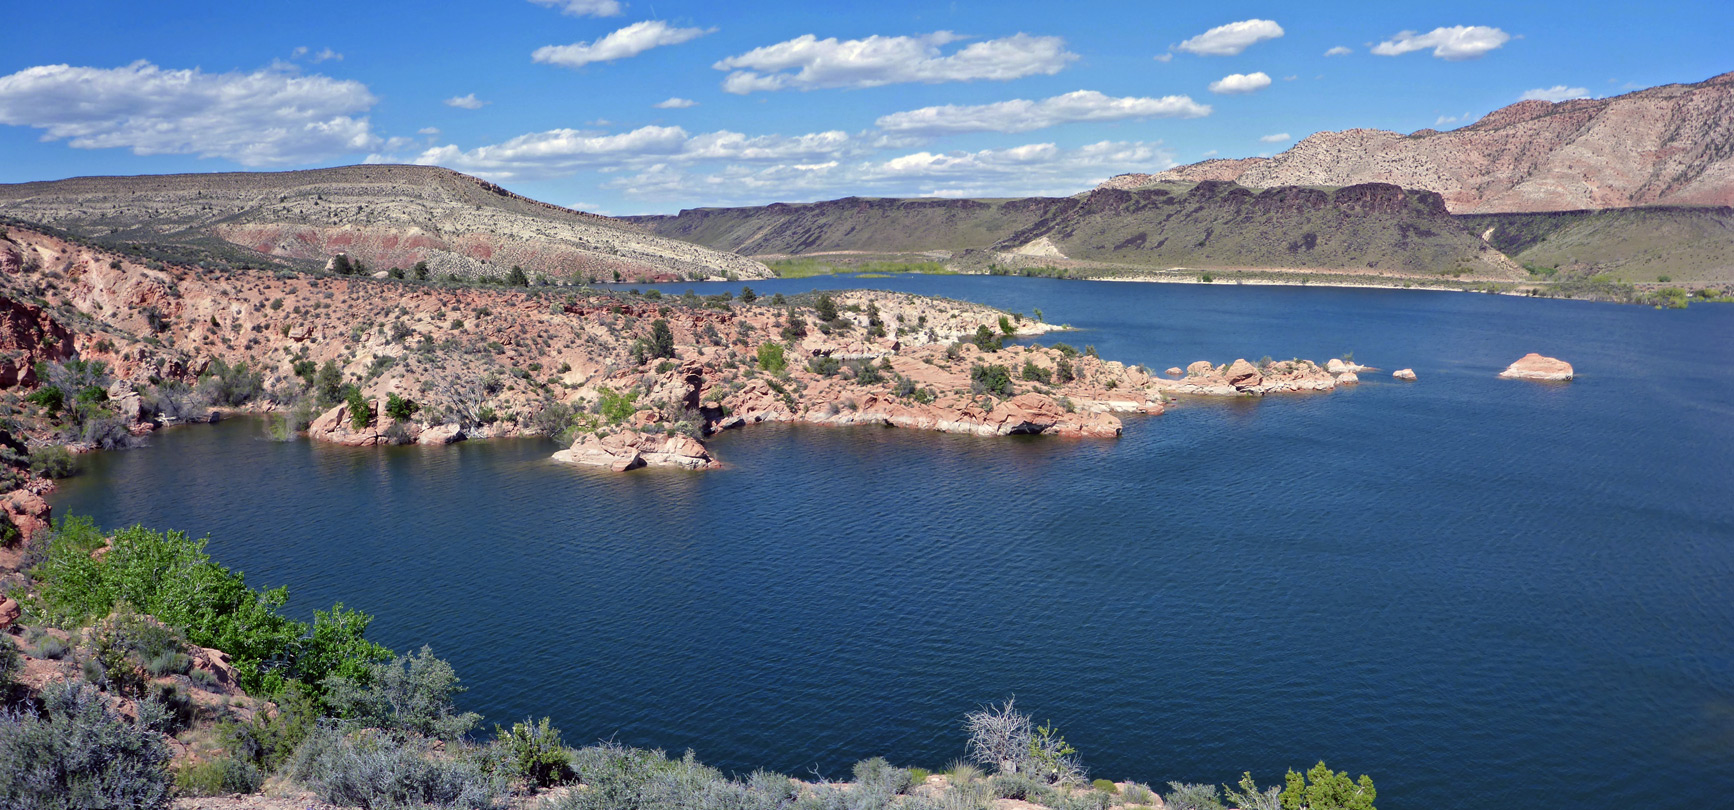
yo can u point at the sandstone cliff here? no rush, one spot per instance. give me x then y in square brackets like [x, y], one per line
[1670, 145]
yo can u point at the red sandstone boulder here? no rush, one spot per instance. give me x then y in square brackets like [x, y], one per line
[9, 613]
[1533, 366]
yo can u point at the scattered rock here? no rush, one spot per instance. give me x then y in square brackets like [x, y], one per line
[1174, 371]
[1533, 366]
[441, 434]
[1404, 374]
[1200, 368]
[9, 613]
[1347, 378]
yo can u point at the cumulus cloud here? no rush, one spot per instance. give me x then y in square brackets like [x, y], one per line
[1443, 120]
[1164, 57]
[627, 42]
[561, 152]
[1235, 83]
[1339, 51]
[469, 102]
[267, 117]
[584, 8]
[1031, 169]
[675, 103]
[1279, 137]
[429, 131]
[1556, 93]
[807, 62]
[1453, 44]
[1021, 115]
[1231, 39]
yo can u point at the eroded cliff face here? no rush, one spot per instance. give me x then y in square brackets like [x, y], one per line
[1669, 145]
[385, 216]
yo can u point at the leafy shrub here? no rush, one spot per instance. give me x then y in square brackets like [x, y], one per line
[1063, 372]
[409, 695]
[824, 366]
[986, 340]
[360, 410]
[620, 778]
[615, 407]
[1322, 789]
[1106, 786]
[533, 752]
[878, 775]
[269, 740]
[796, 327]
[826, 308]
[366, 769]
[224, 776]
[169, 576]
[748, 296]
[1035, 373]
[661, 342]
[1183, 796]
[918, 775]
[864, 372]
[10, 663]
[401, 409]
[72, 753]
[771, 358]
[990, 379]
[1249, 797]
[328, 385]
[1005, 326]
[52, 461]
[223, 384]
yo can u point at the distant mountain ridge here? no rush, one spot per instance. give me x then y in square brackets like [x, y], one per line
[1367, 228]
[1667, 145]
[386, 216]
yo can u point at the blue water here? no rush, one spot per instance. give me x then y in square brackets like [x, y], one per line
[1480, 592]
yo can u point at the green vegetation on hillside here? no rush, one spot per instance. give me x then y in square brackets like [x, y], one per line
[808, 267]
[1627, 245]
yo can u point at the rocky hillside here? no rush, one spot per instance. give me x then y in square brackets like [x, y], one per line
[628, 379]
[384, 216]
[1370, 228]
[1634, 245]
[1668, 145]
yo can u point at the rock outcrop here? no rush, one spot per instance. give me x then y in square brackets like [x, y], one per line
[630, 450]
[1404, 374]
[28, 336]
[1534, 366]
[1242, 378]
[1665, 145]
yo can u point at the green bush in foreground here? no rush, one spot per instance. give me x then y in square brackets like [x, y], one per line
[1322, 789]
[169, 576]
[73, 753]
[409, 696]
[771, 357]
[368, 769]
[532, 752]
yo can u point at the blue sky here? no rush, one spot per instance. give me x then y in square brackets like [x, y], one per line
[559, 99]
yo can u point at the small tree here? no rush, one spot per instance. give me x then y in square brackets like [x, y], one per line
[826, 308]
[1322, 789]
[328, 384]
[420, 271]
[661, 342]
[1005, 325]
[400, 408]
[516, 278]
[341, 266]
[408, 695]
[771, 357]
[360, 410]
[986, 340]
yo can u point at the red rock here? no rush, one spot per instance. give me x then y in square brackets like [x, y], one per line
[1533, 366]
[1404, 374]
[9, 613]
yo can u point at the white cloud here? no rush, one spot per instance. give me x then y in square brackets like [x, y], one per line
[584, 8]
[1556, 93]
[627, 42]
[675, 103]
[1231, 39]
[469, 102]
[1453, 44]
[1020, 115]
[1210, 153]
[807, 62]
[1235, 83]
[560, 152]
[1164, 57]
[431, 131]
[1279, 137]
[1339, 51]
[267, 117]
[1450, 119]
[327, 55]
[1028, 170]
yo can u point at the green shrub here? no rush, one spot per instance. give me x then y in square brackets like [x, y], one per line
[990, 379]
[771, 358]
[796, 326]
[10, 663]
[986, 340]
[170, 577]
[367, 769]
[225, 776]
[1183, 796]
[620, 778]
[661, 342]
[1063, 372]
[1322, 789]
[223, 384]
[52, 461]
[919, 776]
[824, 366]
[826, 308]
[880, 776]
[615, 407]
[1249, 797]
[328, 385]
[401, 409]
[360, 410]
[865, 372]
[532, 752]
[1106, 786]
[407, 696]
[748, 296]
[1005, 326]
[1035, 373]
[72, 753]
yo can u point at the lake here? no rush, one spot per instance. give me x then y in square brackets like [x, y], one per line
[1478, 591]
